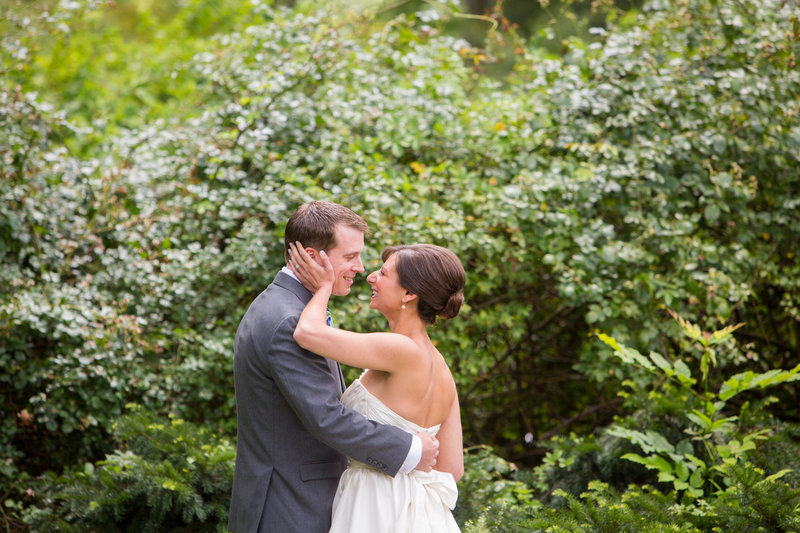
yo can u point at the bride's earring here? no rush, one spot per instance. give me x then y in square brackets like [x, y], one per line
[403, 306]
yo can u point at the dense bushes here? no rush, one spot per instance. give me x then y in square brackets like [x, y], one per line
[653, 169]
[167, 475]
[174, 476]
[708, 465]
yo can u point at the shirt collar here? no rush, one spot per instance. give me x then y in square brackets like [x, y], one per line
[287, 270]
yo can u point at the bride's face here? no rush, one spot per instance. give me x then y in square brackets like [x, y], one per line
[387, 294]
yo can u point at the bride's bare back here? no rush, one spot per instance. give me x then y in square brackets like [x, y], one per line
[422, 395]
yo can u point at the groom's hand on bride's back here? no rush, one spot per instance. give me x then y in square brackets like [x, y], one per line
[430, 451]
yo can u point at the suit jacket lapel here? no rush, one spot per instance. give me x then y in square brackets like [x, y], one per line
[341, 377]
[287, 282]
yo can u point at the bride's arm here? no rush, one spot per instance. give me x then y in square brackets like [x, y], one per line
[378, 351]
[451, 443]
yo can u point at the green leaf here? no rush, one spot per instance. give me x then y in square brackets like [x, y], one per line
[719, 144]
[711, 213]
[681, 471]
[662, 363]
[665, 477]
[700, 419]
[683, 372]
[697, 479]
[776, 475]
[698, 462]
[636, 458]
[628, 355]
[661, 464]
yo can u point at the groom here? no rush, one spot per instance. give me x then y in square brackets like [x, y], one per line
[293, 434]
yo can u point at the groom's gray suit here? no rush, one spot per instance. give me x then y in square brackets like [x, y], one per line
[293, 434]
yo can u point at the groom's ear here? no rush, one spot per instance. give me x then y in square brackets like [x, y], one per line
[313, 254]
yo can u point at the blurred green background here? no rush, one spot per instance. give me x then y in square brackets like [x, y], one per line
[619, 180]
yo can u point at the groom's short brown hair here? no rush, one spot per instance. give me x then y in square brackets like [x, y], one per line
[313, 224]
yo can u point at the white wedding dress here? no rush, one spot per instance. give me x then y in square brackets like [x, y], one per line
[368, 501]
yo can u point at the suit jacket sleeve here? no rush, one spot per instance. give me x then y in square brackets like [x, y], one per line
[305, 380]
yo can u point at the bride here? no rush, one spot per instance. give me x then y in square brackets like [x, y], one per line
[407, 383]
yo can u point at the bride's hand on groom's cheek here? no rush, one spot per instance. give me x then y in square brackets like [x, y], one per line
[307, 270]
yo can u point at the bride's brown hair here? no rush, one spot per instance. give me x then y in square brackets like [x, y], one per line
[434, 274]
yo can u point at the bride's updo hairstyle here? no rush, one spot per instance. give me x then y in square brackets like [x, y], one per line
[434, 274]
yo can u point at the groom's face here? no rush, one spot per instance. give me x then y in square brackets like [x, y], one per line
[346, 258]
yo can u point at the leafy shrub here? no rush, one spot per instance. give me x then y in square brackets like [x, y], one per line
[654, 168]
[165, 475]
[704, 448]
[488, 491]
[713, 443]
[752, 503]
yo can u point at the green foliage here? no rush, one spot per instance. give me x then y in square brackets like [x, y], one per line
[168, 230]
[572, 463]
[488, 490]
[602, 509]
[166, 475]
[115, 65]
[653, 169]
[702, 461]
[753, 503]
[703, 446]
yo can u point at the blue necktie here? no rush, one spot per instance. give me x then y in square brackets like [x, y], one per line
[338, 369]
